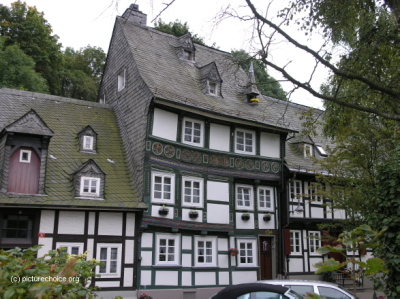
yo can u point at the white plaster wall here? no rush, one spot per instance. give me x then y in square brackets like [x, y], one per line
[110, 224]
[147, 240]
[219, 137]
[129, 251]
[186, 243]
[130, 224]
[269, 145]
[222, 244]
[218, 191]
[128, 277]
[266, 224]
[46, 221]
[296, 265]
[154, 212]
[223, 260]
[186, 278]
[217, 213]
[90, 248]
[91, 224]
[223, 278]
[313, 261]
[185, 215]
[145, 278]
[107, 284]
[71, 223]
[165, 124]
[241, 224]
[186, 260]
[205, 278]
[317, 212]
[244, 276]
[147, 258]
[339, 214]
[166, 278]
[47, 245]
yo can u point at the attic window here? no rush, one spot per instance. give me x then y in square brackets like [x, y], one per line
[90, 182]
[25, 156]
[121, 80]
[321, 151]
[88, 143]
[90, 186]
[88, 140]
[212, 88]
[308, 150]
[188, 55]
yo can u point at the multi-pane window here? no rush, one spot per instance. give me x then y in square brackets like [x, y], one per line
[205, 251]
[90, 186]
[212, 88]
[192, 192]
[295, 190]
[244, 142]
[313, 190]
[193, 132]
[17, 227]
[244, 197]
[308, 150]
[71, 248]
[295, 242]
[314, 242]
[88, 142]
[167, 249]
[163, 187]
[265, 198]
[109, 256]
[247, 252]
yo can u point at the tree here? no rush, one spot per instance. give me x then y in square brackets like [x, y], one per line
[178, 29]
[27, 28]
[266, 84]
[82, 72]
[17, 70]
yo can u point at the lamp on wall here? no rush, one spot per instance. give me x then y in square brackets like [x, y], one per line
[299, 209]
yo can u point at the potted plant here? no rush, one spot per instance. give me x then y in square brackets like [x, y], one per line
[163, 210]
[254, 101]
[193, 214]
[144, 296]
[245, 216]
[267, 217]
[233, 251]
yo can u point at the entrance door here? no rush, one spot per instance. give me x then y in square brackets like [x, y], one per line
[265, 249]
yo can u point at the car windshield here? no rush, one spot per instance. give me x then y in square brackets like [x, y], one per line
[270, 295]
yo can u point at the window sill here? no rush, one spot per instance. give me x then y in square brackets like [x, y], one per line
[166, 266]
[89, 198]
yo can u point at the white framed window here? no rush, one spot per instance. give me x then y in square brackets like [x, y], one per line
[295, 242]
[188, 55]
[192, 132]
[247, 256]
[245, 142]
[109, 255]
[205, 251]
[167, 249]
[308, 150]
[163, 187]
[25, 156]
[265, 198]
[90, 186]
[121, 79]
[244, 197]
[88, 142]
[71, 248]
[314, 241]
[313, 190]
[192, 192]
[296, 190]
[213, 87]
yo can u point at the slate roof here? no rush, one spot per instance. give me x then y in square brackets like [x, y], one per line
[67, 118]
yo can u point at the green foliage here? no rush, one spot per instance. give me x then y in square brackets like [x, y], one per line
[55, 275]
[266, 84]
[82, 72]
[26, 27]
[17, 70]
[178, 29]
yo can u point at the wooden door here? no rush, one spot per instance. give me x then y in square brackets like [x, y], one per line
[265, 249]
[24, 172]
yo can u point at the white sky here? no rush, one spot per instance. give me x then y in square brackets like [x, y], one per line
[80, 23]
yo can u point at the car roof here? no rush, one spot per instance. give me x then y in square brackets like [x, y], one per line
[298, 282]
[244, 288]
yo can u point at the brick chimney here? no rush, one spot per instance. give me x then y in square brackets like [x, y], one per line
[133, 14]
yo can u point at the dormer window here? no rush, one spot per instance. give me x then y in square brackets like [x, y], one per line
[89, 181]
[212, 88]
[90, 186]
[188, 55]
[88, 143]
[88, 140]
[25, 156]
[308, 150]
[210, 79]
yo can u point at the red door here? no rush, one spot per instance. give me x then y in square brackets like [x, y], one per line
[265, 246]
[24, 172]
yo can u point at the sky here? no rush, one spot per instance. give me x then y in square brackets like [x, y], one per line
[80, 23]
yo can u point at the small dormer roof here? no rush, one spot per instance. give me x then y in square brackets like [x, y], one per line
[210, 72]
[30, 123]
[186, 42]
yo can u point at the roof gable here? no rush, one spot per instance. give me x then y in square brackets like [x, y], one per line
[30, 123]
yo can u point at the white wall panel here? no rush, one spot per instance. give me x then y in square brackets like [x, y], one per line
[71, 223]
[266, 224]
[242, 224]
[90, 248]
[222, 244]
[145, 278]
[155, 209]
[46, 221]
[186, 260]
[270, 145]
[165, 124]
[223, 278]
[205, 278]
[47, 245]
[218, 213]
[91, 224]
[223, 260]
[128, 277]
[166, 278]
[186, 278]
[185, 216]
[147, 258]
[296, 265]
[219, 137]
[244, 276]
[218, 191]
[129, 251]
[317, 212]
[147, 240]
[130, 224]
[186, 243]
[107, 284]
[110, 224]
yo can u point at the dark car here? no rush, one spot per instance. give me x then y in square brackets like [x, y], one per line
[256, 291]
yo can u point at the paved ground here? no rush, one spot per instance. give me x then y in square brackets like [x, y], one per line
[369, 294]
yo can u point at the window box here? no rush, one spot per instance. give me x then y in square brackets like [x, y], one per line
[233, 251]
[193, 214]
[163, 211]
[267, 217]
[245, 216]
